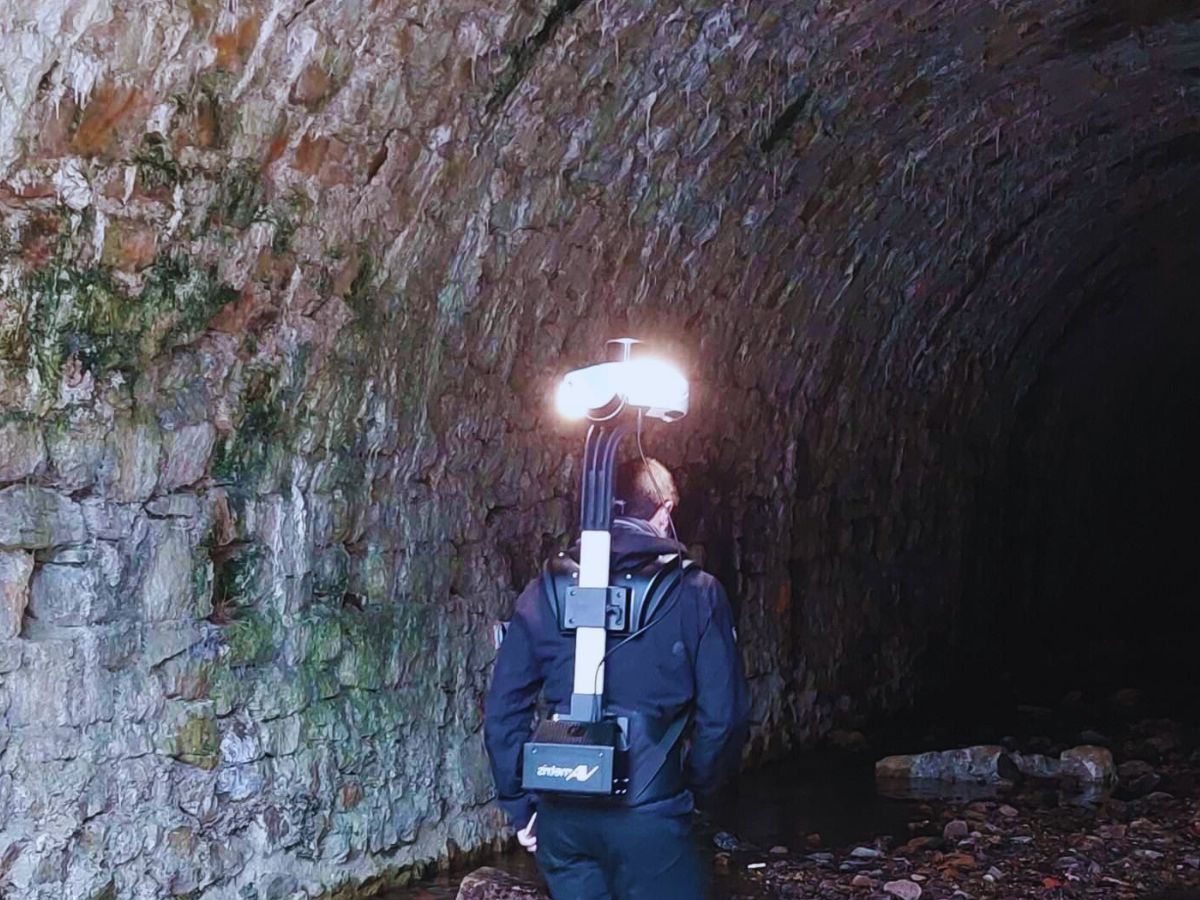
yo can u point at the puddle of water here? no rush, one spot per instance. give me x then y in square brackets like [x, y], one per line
[835, 795]
[785, 802]
[445, 887]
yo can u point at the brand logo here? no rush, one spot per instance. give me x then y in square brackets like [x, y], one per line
[567, 773]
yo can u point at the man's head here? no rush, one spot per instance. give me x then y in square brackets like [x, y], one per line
[648, 492]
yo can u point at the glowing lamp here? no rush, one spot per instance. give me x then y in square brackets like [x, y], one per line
[600, 392]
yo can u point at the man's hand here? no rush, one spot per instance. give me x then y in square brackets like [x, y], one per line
[527, 836]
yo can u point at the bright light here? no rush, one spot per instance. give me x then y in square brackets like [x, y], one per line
[655, 386]
[652, 385]
[568, 402]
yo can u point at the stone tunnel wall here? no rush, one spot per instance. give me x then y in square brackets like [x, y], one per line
[283, 290]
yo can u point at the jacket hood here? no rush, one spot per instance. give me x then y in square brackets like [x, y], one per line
[635, 543]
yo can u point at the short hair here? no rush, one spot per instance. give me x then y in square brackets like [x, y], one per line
[644, 486]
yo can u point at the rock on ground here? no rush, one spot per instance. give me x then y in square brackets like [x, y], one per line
[966, 764]
[492, 884]
[1089, 765]
[905, 890]
[990, 764]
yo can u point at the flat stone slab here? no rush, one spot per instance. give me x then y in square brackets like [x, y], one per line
[979, 764]
[492, 884]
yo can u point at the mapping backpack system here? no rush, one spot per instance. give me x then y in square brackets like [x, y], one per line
[630, 604]
[586, 751]
[571, 756]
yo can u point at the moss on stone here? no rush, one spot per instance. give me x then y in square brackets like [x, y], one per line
[250, 639]
[235, 578]
[250, 453]
[202, 585]
[364, 660]
[240, 196]
[323, 638]
[83, 313]
[224, 688]
[156, 168]
[358, 294]
[198, 742]
[284, 218]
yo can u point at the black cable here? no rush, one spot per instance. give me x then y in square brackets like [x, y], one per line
[654, 481]
[596, 677]
[674, 536]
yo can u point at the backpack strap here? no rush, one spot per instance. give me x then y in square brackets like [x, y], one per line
[649, 587]
[654, 585]
[659, 768]
[558, 574]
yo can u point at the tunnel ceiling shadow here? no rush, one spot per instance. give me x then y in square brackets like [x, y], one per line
[1086, 543]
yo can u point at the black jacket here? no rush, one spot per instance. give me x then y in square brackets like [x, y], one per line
[686, 663]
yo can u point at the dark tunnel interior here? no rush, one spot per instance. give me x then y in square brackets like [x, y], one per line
[1084, 568]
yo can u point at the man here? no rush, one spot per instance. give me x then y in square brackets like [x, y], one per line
[684, 666]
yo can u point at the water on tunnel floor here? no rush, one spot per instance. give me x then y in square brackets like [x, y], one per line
[806, 803]
[829, 800]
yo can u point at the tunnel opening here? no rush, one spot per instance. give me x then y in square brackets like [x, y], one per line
[1082, 563]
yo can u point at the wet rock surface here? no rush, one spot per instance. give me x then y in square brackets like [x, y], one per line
[1028, 845]
[968, 764]
[495, 884]
[1055, 835]
[1033, 838]
[994, 765]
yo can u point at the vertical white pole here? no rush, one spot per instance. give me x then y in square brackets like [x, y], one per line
[594, 548]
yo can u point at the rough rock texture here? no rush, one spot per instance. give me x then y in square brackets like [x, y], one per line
[1089, 765]
[283, 285]
[16, 566]
[492, 884]
[980, 765]
[991, 763]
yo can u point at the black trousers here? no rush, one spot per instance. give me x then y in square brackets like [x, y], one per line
[597, 853]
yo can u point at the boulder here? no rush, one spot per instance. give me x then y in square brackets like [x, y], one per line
[1035, 765]
[1137, 778]
[981, 764]
[956, 830]
[1088, 764]
[903, 889]
[492, 884]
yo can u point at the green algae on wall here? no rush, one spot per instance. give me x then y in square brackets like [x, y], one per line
[86, 315]
[252, 455]
[198, 742]
[252, 638]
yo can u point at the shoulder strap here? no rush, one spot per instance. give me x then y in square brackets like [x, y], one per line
[661, 584]
[656, 757]
[558, 574]
[650, 587]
